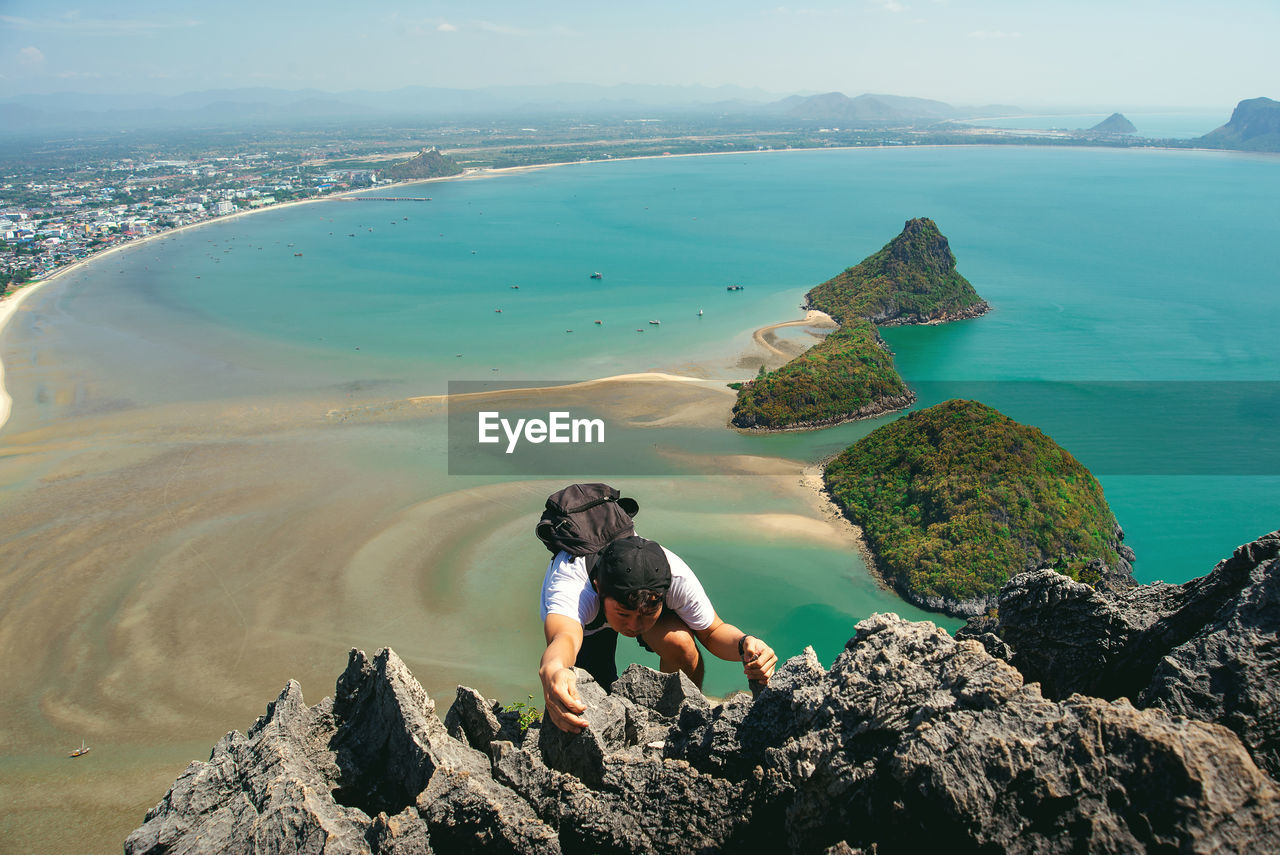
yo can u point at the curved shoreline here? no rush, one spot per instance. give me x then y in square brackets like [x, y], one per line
[10, 304]
[813, 317]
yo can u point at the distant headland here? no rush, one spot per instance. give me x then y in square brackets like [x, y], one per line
[1254, 126]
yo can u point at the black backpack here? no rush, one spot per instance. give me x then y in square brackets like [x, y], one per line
[582, 519]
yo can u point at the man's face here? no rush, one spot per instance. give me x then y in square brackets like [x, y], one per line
[629, 622]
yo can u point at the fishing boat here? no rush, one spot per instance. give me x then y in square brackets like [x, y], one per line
[81, 751]
[655, 323]
[597, 275]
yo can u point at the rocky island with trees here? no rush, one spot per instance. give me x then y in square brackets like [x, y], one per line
[955, 499]
[850, 375]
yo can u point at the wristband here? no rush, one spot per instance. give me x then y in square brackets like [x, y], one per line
[742, 646]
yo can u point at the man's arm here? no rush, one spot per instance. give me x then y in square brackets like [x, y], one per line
[559, 683]
[722, 640]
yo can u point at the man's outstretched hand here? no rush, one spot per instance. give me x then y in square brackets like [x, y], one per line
[563, 704]
[758, 659]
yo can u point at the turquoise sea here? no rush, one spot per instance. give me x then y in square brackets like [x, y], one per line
[1154, 268]
[1100, 265]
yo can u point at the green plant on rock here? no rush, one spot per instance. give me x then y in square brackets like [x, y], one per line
[527, 713]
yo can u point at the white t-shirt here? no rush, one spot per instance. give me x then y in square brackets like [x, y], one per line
[567, 591]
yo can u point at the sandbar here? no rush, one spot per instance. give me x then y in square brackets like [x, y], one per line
[813, 318]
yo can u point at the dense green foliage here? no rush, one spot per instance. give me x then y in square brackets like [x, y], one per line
[428, 163]
[832, 381]
[14, 278]
[913, 278]
[956, 499]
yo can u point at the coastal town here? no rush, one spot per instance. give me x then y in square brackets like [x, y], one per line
[66, 214]
[62, 200]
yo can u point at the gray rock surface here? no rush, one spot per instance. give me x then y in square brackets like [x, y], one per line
[912, 740]
[1208, 649]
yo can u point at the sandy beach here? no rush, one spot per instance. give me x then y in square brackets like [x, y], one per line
[767, 340]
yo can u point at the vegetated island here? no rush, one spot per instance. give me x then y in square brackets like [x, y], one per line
[911, 280]
[427, 163]
[847, 375]
[956, 499]
[850, 375]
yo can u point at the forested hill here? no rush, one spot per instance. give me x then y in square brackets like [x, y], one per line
[428, 163]
[911, 280]
[956, 499]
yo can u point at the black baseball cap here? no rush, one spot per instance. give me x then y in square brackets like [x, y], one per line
[632, 564]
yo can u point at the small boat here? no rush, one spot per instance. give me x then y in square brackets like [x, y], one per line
[515, 287]
[733, 288]
[499, 311]
[600, 322]
[639, 329]
[699, 313]
[81, 751]
[597, 275]
[655, 323]
[297, 255]
[568, 330]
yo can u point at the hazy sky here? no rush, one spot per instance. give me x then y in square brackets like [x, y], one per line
[1026, 52]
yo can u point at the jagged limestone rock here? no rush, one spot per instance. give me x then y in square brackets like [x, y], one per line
[582, 755]
[665, 694]
[268, 789]
[466, 812]
[1208, 649]
[912, 740]
[389, 740]
[475, 721]
[1229, 672]
[471, 719]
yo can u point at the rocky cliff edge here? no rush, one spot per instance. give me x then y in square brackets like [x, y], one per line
[910, 741]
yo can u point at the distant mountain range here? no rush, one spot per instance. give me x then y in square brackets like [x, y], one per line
[74, 111]
[839, 109]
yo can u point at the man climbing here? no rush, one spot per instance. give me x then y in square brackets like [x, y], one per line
[640, 589]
